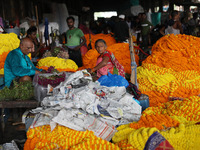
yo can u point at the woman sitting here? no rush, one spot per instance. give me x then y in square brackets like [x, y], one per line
[106, 62]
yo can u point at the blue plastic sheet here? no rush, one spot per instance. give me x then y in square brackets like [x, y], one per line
[112, 80]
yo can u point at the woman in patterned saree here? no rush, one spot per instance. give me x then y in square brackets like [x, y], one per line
[106, 62]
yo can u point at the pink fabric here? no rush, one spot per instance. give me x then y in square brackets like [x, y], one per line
[104, 70]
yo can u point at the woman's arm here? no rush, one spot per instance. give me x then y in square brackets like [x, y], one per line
[103, 63]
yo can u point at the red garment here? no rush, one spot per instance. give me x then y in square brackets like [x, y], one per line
[108, 54]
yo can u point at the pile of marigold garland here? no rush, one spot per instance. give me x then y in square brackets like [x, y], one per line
[64, 138]
[59, 63]
[171, 72]
[8, 42]
[175, 120]
[173, 69]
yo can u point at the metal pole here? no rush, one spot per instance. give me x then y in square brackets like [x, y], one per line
[133, 63]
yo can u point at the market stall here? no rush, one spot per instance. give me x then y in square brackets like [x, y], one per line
[173, 90]
[79, 113]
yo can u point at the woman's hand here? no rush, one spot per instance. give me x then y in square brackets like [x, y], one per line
[90, 70]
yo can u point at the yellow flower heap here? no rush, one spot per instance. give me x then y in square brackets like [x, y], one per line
[59, 63]
[171, 71]
[64, 138]
[175, 120]
[8, 42]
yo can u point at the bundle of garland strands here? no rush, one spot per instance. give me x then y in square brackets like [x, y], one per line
[162, 83]
[64, 138]
[178, 52]
[182, 137]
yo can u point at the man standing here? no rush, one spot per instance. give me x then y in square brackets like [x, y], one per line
[146, 28]
[18, 65]
[75, 40]
[121, 30]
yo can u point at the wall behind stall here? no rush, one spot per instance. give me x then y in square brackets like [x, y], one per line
[13, 10]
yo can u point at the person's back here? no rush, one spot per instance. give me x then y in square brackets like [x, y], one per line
[121, 30]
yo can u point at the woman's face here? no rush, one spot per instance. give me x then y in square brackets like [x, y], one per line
[101, 47]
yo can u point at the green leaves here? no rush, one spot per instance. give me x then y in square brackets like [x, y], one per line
[19, 90]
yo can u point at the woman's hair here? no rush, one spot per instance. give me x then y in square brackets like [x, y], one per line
[100, 40]
[31, 30]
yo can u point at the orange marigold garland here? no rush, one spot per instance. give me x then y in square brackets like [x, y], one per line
[110, 40]
[159, 121]
[177, 56]
[64, 138]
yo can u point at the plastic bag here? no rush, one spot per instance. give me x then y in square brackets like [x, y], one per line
[112, 80]
[40, 92]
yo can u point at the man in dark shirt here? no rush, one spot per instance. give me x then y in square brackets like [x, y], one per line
[121, 29]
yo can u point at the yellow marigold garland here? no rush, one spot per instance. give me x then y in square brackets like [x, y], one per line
[161, 83]
[183, 137]
[64, 138]
[8, 42]
[183, 114]
[58, 63]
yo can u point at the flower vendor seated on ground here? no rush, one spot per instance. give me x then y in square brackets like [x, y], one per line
[106, 62]
[31, 33]
[18, 65]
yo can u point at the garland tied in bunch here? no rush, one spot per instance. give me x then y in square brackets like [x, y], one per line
[64, 138]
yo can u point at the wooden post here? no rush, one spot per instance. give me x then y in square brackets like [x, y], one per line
[37, 21]
[133, 63]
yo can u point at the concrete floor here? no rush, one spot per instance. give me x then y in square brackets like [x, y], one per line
[14, 132]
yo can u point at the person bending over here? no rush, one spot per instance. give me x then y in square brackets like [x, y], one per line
[18, 65]
[106, 62]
